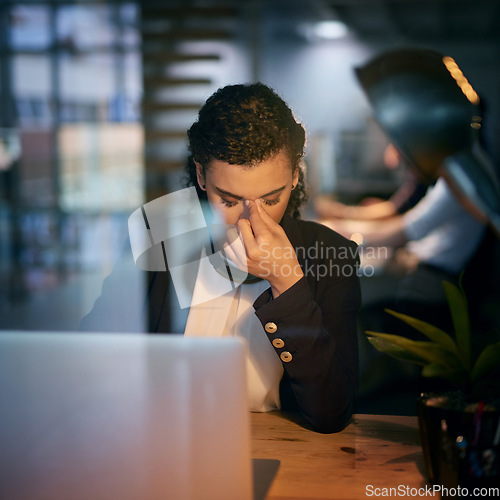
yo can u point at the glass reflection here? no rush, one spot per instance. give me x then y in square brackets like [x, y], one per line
[81, 27]
[29, 27]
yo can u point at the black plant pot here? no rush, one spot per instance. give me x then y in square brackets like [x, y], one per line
[459, 446]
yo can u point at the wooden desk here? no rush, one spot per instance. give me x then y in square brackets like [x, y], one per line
[382, 451]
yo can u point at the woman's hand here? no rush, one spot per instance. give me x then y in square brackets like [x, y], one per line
[264, 250]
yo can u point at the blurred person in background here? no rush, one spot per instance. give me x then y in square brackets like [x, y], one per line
[406, 196]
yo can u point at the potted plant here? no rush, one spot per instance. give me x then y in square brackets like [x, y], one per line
[459, 426]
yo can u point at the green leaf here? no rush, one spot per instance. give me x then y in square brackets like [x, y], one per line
[428, 351]
[486, 361]
[438, 370]
[435, 370]
[430, 331]
[395, 351]
[460, 315]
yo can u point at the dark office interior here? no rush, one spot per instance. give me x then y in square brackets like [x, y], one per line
[96, 97]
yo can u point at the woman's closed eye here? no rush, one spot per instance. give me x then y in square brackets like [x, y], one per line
[233, 203]
[269, 203]
[229, 203]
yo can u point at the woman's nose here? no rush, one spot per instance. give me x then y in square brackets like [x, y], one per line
[243, 212]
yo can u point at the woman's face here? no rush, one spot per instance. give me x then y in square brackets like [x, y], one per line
[228, 186]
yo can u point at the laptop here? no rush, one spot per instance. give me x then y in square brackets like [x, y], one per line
[123, 416]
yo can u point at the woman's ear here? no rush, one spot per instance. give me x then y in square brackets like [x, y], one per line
[200, 175]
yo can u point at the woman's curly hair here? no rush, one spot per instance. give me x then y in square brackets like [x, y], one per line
[245, 125]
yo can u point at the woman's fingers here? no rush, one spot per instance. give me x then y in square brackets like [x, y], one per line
[264, 250]
[247, 236]
[259, 226]
[265, 217]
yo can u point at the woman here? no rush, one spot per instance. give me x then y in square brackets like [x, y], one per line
[298, 306]
[247, 150]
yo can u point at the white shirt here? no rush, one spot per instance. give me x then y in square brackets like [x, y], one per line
[440, 231]
[232, 314]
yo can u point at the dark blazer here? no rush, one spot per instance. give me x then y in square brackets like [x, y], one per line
[315, 318]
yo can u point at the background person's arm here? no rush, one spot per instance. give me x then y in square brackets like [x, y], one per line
[389, 232]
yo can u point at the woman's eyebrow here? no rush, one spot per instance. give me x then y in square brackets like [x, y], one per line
[236, 197]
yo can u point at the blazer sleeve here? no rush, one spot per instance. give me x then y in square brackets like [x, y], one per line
[316, 320]
[120, 307]
[131, 300]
